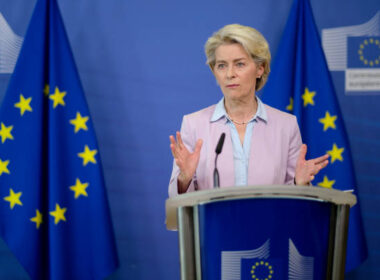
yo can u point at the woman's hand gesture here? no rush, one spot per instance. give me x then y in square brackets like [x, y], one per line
[307, 169]
[185, 160]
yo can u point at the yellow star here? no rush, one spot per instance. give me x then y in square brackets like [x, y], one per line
[46, 90]
[37, 219]
[58, 214]
[88, 155]
[24, 105]
[79, 122]
[5, 132]
[336, 153]
[4, 167]
[328, 121]
[13, 198]
[326, 183]
[57, 97]
[308, 97]
[290, 106]
[79, 188]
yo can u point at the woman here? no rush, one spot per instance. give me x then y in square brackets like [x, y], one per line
[262, 145]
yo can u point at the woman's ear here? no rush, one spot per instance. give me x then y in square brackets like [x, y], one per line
[260, 71]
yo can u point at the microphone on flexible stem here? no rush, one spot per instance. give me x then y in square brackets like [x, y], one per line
[218, 150]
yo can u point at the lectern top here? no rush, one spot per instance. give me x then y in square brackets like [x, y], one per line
[279, 191]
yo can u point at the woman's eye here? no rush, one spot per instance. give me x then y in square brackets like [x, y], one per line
[220, 66]
[240, 64]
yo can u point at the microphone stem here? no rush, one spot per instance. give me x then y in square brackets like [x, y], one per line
[216, 174]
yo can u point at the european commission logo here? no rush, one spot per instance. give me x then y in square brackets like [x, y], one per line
[262, 270]
[355, 50]
[258, 264]
[363, 52]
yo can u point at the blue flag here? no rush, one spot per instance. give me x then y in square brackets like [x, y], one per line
[300, 83]
[363, 52]
[53, 205]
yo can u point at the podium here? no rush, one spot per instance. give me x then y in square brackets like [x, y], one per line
[261, 232]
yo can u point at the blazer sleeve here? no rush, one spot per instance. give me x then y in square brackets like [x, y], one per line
[295, 143]
[188, 138]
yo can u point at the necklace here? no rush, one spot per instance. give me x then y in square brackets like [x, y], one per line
[238, 123]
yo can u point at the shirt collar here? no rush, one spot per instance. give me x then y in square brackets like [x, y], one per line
[220, 111]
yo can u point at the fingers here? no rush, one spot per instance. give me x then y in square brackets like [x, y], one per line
[172, 140]
[320, 159]
[324, 164]
[320, 163]
[178, 148]
[308, 169]
[198, 146]
[179, 139]
[315, 168]
[173, 146]
[320, 166]
[173, 149]
[303, 151]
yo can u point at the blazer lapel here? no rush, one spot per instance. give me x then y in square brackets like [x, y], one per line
[256, 152]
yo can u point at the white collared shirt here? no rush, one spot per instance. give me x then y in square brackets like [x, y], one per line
[241, 153]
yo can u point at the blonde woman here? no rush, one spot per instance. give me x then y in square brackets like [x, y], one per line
[262, 145]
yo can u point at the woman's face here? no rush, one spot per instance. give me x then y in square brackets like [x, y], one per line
[236, 72]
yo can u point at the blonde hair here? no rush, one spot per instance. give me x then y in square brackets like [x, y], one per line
[250, 39]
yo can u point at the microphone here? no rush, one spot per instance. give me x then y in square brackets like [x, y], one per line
[218, 150]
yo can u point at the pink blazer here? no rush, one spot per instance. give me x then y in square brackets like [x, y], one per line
[275, 145]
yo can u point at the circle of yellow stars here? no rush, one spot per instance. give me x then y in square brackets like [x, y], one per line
[262, 265]
[367, 43]
[328, 122]
[24, 104]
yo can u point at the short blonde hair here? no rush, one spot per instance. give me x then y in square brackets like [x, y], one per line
[250, 39]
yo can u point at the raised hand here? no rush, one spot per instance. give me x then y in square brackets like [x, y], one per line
[185, 160]
[307, 169]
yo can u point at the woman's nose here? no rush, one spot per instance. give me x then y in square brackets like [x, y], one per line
[231, 72]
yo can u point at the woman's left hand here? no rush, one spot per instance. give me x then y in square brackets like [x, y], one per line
[307, 169]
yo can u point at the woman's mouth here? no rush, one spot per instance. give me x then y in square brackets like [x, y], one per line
[232, 85]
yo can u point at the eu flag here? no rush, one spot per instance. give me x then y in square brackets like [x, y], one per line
[53, 205]
[300, 83]
[256, 268]
[363, 52]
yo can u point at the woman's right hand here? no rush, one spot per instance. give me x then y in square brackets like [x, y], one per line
[186, 161]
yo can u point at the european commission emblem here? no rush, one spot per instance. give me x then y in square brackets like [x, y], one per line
[261, 270]
[258, 264]
[356, 51]
[363, 72]
[363, 52]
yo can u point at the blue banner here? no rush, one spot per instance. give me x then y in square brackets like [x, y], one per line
[264, 239]
[54, 211]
